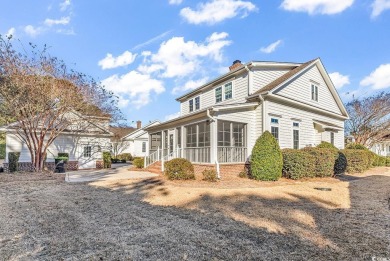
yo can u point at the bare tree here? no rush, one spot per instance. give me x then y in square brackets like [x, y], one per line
[118, 145]
[369, 118]
[44, 98]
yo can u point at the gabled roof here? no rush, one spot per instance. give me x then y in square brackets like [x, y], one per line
[139, 132]
[121, 132]
[284, 77]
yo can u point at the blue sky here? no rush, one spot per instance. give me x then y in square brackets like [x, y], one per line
[150, 52]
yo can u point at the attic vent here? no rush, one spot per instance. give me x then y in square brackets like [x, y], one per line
[235, 65]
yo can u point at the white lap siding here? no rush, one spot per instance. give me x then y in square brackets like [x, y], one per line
[308, 136]
[263, 76]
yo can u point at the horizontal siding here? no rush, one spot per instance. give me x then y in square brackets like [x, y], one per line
[308, 135]
[300, 89]
[262, 77]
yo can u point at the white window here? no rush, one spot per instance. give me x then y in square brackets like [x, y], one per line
[218, 94]
[295, 135]
[275, 128]
[274, 120]
[87, 151]
[143, 146]
[191, 104]
[197, 103]
[332, 138]
[314, 92]
[228, 91]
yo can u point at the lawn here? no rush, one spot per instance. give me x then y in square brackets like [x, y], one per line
[43, 217]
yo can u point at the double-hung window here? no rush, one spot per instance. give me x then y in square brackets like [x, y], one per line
[314, 92]
[275, 128]
[332, 138]
[218, 94]
[191, 104]
[228, 91]
[87, 153]
[224, 92]
[143, 146]
[296, 135]
[197, 103]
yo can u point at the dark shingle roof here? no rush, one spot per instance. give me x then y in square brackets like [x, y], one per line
[284, 77]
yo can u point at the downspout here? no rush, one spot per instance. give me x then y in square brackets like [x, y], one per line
[263, 111]
[249, 80]
[216, 160]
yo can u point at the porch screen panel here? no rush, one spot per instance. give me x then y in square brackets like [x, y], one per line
[178, 131]
[191, 136]
[224, 133]
[155, 141]
[238, 135]
[204, 134]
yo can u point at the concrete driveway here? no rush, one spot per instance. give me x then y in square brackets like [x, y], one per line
[117, 172]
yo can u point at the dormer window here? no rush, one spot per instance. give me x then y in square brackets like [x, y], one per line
[314, 92]
[191, 104]
[228, 91]
[197, 103]
[218, 94]
[224, 92]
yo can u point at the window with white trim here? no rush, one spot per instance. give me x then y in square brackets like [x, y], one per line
[228, 91]
[143, 146]
[295, 135]
[197, 103]
[218, 94]
[191, 105]
[275, 128]
[314, 92]
[332, 138]
[87, 153]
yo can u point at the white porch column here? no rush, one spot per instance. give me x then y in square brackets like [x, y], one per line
[213, 141]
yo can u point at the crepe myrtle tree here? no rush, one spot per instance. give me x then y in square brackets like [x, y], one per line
[41, 98]
[369, 118]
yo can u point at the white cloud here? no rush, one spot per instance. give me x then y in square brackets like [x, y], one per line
[110, 62]
[178, 58]
[339, 80]
[379, 78]
[190, 85]
[175, 2]
[217, 11]
[271, 48]
[172, 116]
[10, 32]
[378, 6]
[312, 7]
[61, 21]
[33, 31]
[65, 5]
[134, 88]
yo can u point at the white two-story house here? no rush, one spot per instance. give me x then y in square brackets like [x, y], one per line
[221, 120]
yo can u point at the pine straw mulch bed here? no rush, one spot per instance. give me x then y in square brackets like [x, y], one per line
[155, 219]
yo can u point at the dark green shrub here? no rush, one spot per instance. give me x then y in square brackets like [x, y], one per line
[326, 145]
[125, 156]
[379, 161]
[62, 156]
[179, 169]
[298, 164]
[243, 174]
[138, 163]
[340, 165]
[355, 146]
[388, 161]
[357, 160]
[106, 160]
[2, 146]
[209, 175]
[266, 159]
[13, 158]
[324, 161]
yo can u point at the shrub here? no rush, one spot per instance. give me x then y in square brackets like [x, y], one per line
[13, 158]
[266, 159]
[106, 160]
[63, 155]
[209, 175]
[179, 169]
[114, 160]
[355, 146]
[326, 145]
[297, 164]
[357, 160]
[324, 161]
[243, 174]
[2, 146]
[379, 161]
[340, 165]
[125, 156]
[388, 161]
[138, 163]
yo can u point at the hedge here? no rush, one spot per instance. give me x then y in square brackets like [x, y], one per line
[298, 164]
[266, 159]
[324, 161]
[209, 175]
[327, 145]
[106, 160]
[138, 162]
[357, 160]
[125, 156]
[355, 146]
[179, 169]
[13, 158]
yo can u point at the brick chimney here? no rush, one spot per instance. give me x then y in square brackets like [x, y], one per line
[139, 124]
[235, 65]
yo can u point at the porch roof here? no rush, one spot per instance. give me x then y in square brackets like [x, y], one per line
[328, 126]
[200, 114]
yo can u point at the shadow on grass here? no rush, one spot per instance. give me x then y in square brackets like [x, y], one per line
[81, 221]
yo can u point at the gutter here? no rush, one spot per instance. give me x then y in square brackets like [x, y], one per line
[209, 115]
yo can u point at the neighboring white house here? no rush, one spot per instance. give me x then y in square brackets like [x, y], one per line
[221, 120]
[138, 140]
[382, 147]
[84, 147]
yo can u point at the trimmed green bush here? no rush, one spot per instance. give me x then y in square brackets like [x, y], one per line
[298, 164]
[324, 161]
[125, 156]
[326, 145]
[2, 146]
[243, 174]
[379, 161]
[209, 175]
[266, 159]
[340, 165]
[138, 163]
[106, 160]
[355, 146]
[387, 161]
[357, 160]
[13, 158]
[179, 169]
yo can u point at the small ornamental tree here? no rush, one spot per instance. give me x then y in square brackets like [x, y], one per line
[266, 159]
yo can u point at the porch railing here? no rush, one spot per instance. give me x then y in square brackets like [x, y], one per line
[198, 155]
[231, 154]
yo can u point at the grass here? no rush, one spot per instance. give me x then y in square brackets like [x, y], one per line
[42, 218]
